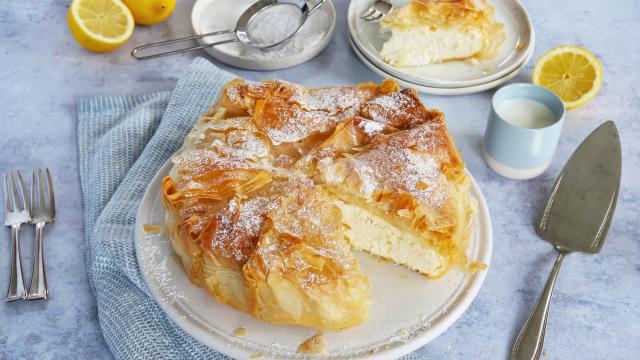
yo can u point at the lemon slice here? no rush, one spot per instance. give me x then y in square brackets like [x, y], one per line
[571, 72]
[100, 25]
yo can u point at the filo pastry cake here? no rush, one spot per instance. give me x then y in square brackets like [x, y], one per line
[276, 184]
[432, 31]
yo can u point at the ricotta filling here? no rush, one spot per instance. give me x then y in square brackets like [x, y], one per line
[373, 234]
[420, 45]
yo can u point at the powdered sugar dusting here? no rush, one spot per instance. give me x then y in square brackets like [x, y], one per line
[286, 124]
[401, 109]
[403, 161]
[157, 267]
[298, 113]
[233, 92]
[306, 215]
[401, 169]
[371, 128]
[330, 100]
[238, 227]
[196, 163]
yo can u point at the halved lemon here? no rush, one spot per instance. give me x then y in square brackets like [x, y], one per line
[100, 25]
[149, 12]
[571, 72]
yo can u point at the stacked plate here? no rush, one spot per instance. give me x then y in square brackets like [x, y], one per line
[454, 77]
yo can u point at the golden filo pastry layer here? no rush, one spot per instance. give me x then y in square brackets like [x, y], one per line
[277, 183]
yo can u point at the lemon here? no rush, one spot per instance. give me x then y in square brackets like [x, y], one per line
[149, 12]
[100, 25]
[571, 72]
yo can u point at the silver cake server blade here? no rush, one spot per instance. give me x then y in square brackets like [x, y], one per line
[576, 218]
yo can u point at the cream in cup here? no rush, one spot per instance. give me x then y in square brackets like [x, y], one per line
[523, 130]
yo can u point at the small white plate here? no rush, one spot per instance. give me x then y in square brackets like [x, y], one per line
[519, 42]
[445, 91]
[407, 311]
[215, 15]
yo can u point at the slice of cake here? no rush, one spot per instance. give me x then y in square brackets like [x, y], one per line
[403, 195]
[432, 31]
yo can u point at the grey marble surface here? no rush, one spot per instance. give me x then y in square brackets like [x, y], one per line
[594, 314]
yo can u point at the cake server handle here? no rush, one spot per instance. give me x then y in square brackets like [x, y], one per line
[528, 344]
[315, 7]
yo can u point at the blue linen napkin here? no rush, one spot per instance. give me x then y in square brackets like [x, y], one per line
[122, 142]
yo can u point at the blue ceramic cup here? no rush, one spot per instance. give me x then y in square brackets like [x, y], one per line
[513, 149]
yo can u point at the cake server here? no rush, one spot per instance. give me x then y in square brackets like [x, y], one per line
[576, 218]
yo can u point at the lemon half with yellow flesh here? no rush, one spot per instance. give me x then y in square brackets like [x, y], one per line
[100, 25]
[571, 72]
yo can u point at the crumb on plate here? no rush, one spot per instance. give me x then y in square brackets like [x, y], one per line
[152, 228]
[241, 331]
[314, 345]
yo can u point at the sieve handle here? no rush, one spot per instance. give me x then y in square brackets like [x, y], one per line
[135, 52]
[315, 7]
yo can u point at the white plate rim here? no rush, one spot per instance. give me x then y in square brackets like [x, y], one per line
[367, 59]
[353, 17]
[262, 64]
[455, 310]
[451, 91]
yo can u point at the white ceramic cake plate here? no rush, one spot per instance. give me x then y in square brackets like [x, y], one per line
[215, 15]
[446, 91]
[407, 311]
[518, 44]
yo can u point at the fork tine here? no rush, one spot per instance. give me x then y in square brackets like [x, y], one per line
[23, 192]
[368, 18]
[16, 195]
[367, 13]
[7, 195]
[52, 202]
[41, 188]
[33, 190]
[375, 16]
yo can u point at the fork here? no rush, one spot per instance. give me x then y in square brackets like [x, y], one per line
[16, 213]
[42, 212]
[377, 10]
